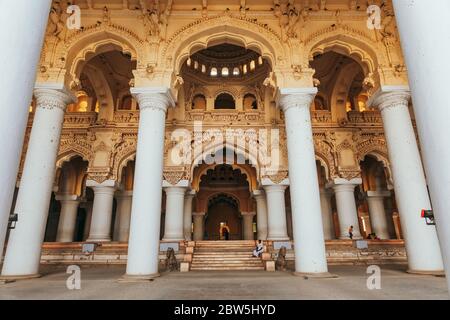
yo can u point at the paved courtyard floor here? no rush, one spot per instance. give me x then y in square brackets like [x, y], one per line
[101, 283]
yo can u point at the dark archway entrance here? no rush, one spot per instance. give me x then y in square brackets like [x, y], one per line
[223, 210]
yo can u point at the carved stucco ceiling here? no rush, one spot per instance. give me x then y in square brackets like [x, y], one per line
[115, 67]
[329, 65]
[224, 175]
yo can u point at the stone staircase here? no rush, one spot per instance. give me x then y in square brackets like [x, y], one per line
[225, 256]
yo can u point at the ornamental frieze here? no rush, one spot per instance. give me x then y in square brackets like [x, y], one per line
[278, 176]
[175, 175]
[99, 175]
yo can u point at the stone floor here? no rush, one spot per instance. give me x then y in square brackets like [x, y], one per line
[101, 283]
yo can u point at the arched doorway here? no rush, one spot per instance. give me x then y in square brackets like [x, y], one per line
[223, 211]
[224, 195]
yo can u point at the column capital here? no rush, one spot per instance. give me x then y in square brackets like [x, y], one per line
[154, 98]
[275, 188]
[106, 187]
[175, 190]
[296, 98]
[51, 96]
[343, 185]
[248, 214]
[390, 97]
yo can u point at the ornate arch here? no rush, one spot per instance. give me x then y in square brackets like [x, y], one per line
[324, 153]
[83, 45]
[219, 29]
[123, 154]
[226, 193]
[73, 148]
[253, 182]
[347, 41]
[376, 148]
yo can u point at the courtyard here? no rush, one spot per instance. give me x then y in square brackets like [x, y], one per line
[101, 283]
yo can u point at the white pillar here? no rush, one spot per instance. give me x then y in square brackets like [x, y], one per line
[327, 215]
[188, 215]
[174, 223]
[143, 250]
[276, 208]
[377, 212]
[199, 222]
[33, 201]
[422, 245]
[344, 191]
[423, 28]
[247, 225]
[123, 215]
[261, 214]
[22, 29]
[310, 256]
[67, 217]
[100, 230]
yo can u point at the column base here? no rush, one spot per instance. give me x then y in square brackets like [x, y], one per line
[9, 279]
[321, 275]
[172, 240]
[98, 240]
[278, 239]
[439, 273]
[138, 278]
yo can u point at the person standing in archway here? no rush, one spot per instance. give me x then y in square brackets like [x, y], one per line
[226, 232]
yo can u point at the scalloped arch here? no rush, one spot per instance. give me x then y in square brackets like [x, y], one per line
[222, 29]
[325, 164]
[238, 150]
[122, 158]
[85, 44]
[68, 156]
[352, 44]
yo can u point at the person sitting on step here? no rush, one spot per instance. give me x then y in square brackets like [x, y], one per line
[259, 249]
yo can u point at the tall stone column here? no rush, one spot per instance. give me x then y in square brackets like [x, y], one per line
[310, 256]
[327, 215]
[261, 214]
[188, 215]
[123, 214]
[421, 241]
[247, 225]
[377, 212]
[276, 212]
[100, 230]
[67, 217]
[143, 249]
[346, 207]
[421, 27]
[22, 30]
[33, 201]
[174, 227]
[199, 225]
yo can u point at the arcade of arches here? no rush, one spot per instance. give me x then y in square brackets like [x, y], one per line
[312, 106]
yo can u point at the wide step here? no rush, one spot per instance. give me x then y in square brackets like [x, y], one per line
[225, 256]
